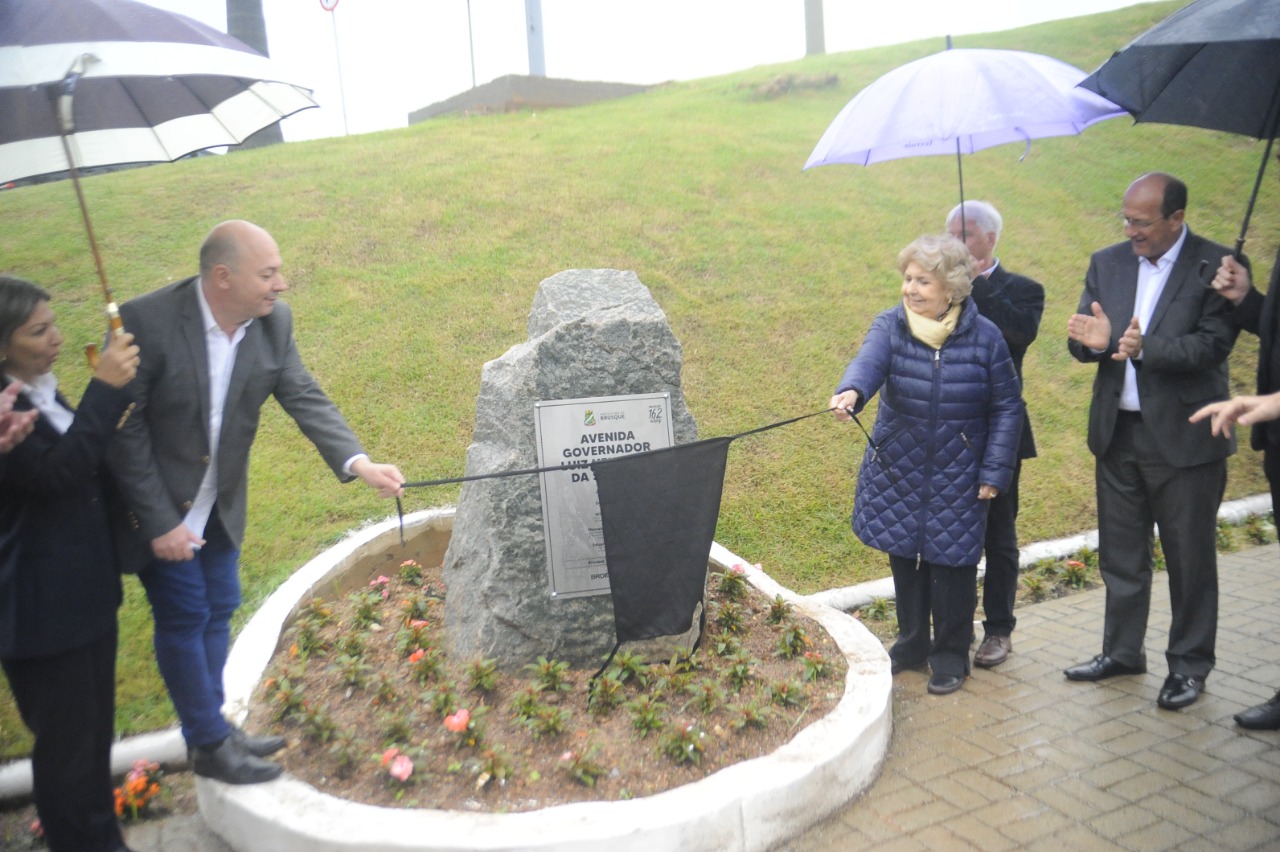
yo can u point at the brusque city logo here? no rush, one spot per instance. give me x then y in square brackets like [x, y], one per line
[588, 418]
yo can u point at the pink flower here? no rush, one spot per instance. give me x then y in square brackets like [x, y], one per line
[401, 767]
[379, 581]
[36, 828]
[739, 568]
[389, 755]
[1075, 564]
[418, 623]
[568, 756]
[458, 721]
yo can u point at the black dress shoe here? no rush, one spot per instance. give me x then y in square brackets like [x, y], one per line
[258, 746]
[1102, 667]
[230, 762]
[1264, 717]
[944, 684]
[1180, 691]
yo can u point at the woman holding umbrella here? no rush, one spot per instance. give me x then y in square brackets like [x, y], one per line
[59, 588]
[945, 442]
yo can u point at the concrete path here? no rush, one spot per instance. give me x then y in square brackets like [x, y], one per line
[1021, 758]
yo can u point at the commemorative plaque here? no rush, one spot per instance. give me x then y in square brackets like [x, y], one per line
[573, 433]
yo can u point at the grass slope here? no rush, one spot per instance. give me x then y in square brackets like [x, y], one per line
[414, 255]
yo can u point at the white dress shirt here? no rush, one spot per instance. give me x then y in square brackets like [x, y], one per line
[43, 393]
[1151, 280]
[222, 357]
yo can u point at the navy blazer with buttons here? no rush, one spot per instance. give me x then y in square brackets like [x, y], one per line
[59, 584]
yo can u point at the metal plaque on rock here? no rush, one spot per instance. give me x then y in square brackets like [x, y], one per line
[573, 433]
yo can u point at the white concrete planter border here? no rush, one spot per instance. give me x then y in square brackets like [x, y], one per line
[752, 805]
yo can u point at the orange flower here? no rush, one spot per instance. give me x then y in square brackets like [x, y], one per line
[389, 754]
[417, 655]
[458, 721]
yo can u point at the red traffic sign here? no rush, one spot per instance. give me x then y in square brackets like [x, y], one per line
[329, 5]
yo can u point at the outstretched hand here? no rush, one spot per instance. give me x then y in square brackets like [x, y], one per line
[843, 403]
[386, 479]
[1245, 410]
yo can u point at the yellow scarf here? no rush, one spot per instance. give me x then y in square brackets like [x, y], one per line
[930, 332]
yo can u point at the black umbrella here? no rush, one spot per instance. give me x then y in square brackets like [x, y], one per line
[108, 82]
[1213, 64]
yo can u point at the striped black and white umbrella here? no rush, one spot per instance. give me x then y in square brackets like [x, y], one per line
[141, 85]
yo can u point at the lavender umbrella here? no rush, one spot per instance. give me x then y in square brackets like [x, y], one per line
[961, 101]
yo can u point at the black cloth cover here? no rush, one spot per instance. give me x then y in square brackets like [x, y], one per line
[658, 511]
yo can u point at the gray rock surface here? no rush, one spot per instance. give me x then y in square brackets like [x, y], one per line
[592, 332]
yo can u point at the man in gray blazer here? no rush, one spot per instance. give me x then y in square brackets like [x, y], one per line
[217, 346]
[1160, 336]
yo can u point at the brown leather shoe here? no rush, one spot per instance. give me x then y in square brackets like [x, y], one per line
[993, 651]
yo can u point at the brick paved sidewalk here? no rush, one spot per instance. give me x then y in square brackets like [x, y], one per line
[1022, 758]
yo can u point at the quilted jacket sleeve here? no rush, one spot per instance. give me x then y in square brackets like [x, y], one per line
[1004, 422]
[868, 370]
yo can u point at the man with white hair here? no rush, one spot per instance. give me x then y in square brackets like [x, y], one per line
[1014, 303]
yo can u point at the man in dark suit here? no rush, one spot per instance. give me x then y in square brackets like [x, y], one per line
[1014, 303]
[1160, 336]
[217, 346]
[1259, 314]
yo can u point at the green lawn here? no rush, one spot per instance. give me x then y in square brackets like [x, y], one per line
[414, 255]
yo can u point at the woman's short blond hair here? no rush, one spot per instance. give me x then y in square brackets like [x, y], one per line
[945, 257]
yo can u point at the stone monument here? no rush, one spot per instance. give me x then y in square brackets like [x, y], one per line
[592, 333]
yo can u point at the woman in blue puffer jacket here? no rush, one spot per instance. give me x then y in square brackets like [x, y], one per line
[945, 442]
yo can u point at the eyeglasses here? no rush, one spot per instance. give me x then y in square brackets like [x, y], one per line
[1140, 224]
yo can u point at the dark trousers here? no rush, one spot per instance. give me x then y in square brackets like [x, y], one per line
[949, 594]
[1136, 489]
[68, 702]
[192, 603]
[1000, 587]
[1271, 467]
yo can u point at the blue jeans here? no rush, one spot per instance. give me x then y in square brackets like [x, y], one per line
[192, 603]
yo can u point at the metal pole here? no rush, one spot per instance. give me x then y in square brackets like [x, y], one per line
[472, 45]
[342, 89]
[533, 20]
[815, 43]
[964, 228]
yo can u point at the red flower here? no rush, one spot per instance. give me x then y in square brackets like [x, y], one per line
[417, 655]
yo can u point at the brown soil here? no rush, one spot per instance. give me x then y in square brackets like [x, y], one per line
[339, 733]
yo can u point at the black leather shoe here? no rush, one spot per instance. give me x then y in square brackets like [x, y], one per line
[258, 746]
[1102, 667]
[228, 761]
[1264, 717]
[944, 684]
[1180, 691]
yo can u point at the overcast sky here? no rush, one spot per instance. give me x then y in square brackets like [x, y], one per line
[397, 56]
